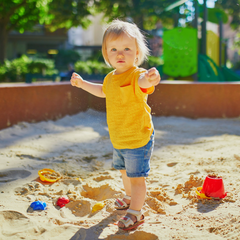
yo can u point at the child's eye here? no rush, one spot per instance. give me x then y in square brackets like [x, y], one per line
[127, 49]
[113, 49]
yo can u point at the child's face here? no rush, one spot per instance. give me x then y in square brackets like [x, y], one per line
[121, 52]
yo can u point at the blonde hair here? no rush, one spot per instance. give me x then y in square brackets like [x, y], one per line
[116, 29]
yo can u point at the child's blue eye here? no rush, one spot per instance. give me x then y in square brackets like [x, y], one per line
[127, 49]
[113, 49]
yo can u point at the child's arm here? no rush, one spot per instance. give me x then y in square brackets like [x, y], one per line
[149, 79]
[93, 88]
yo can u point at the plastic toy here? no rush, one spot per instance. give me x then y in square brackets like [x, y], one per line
[98, 206]
[62, 201]
[38, 205]
[48, 175]
[213, 187]
[200, 194]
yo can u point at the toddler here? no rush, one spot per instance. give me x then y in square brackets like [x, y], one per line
[129, 120]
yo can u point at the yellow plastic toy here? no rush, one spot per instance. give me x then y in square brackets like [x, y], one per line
[98, 206]
[48, 175]
[201, 195]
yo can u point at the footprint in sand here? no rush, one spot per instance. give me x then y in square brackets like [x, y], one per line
[15, 225]
[79, 208]
[12, 175]
[11, 215]
[99, 193]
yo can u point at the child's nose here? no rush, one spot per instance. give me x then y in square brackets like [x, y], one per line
[120, 54]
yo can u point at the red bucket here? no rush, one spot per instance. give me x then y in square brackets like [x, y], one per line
[213, 187]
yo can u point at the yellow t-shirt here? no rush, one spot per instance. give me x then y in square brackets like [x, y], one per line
[128, 115]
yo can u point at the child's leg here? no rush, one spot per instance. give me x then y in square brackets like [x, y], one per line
[123, 204]
[137, 164]
[138, 194]
[134, 188]
[126, 184]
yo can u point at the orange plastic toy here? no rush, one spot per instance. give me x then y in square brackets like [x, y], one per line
[48, 175]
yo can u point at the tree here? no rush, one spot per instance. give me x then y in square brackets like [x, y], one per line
[144, 13]
[232, 7]
[23, 15]
[20, 15]
[70, 13]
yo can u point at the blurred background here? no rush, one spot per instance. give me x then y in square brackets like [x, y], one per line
[194, 40]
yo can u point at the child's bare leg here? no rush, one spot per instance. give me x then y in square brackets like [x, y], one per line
[127, 185]
[138, 194]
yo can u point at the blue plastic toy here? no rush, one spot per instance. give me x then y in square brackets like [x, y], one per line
[38, 205]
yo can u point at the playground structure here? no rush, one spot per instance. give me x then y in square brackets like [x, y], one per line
[187, 57]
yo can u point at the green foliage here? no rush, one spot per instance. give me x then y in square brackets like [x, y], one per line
[236, 44]
[154, 61]
[144, 13]
[92, 67]
[64, 57]
[97, 56]
[24, 14]
[83, 67]
[15, 71]
[42, 65]
[236, 66]
[232, 7]
[70, 13]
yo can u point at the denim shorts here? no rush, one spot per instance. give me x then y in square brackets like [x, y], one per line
[136, 161]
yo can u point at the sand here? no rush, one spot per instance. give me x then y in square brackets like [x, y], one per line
[79, 148]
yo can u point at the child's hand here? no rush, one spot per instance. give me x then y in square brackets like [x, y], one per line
[153, 76]
[76, 80]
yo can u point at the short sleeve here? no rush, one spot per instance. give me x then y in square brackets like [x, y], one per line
[148, 90]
